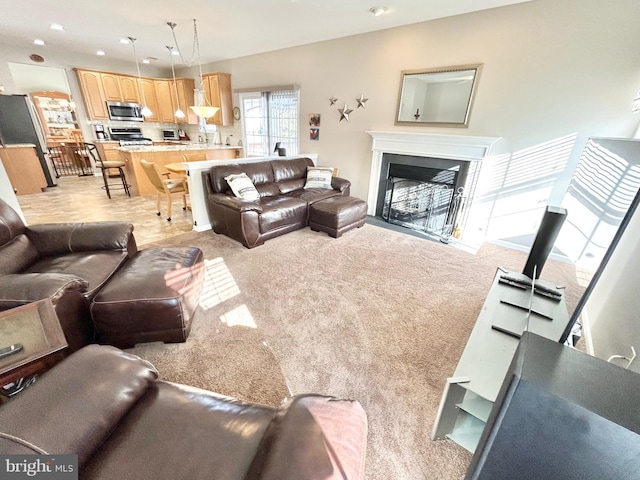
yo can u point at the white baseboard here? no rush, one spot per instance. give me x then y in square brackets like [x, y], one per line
[202, 228]
[586, 331]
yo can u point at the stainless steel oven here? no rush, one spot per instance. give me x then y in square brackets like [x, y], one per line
[131, 112]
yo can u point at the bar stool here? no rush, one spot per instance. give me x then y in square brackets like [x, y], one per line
[104, 166]
[113, 164]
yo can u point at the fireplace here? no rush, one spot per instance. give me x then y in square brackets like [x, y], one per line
[427, 198]
[425, 182]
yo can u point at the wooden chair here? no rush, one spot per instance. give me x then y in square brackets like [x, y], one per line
[194, 157]
[167, 187]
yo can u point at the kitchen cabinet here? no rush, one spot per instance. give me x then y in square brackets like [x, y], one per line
[186, 98]
[129, 89]
[163, 97]
[169, 101]
[111, 87]
[217, 87]
[23, 169]
[57, 115]
[93, 94]
[148, 97]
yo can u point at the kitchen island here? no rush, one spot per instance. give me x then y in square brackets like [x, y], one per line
[162, 155]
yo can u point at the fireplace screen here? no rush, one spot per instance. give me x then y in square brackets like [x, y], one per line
[424, 206]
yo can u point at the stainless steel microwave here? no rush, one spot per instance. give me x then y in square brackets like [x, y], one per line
[131, 112]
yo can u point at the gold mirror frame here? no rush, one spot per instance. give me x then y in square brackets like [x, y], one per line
[437, 97]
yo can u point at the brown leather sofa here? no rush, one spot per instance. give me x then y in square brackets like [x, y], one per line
[108, 407]
[283, 205]
[66, 262]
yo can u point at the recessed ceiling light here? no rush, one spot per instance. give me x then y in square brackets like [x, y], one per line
[125, 41]
[38, 41]
[100, 53]
[377, 11]
[175, 52]
[56, 26]
[146, 60]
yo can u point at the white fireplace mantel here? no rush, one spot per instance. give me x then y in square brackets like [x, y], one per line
[453, 147]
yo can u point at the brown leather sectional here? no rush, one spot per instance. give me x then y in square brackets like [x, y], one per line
[109, 408]
[283, 205]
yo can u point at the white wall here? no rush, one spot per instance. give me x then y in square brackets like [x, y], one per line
[614, 304]
[553, 69]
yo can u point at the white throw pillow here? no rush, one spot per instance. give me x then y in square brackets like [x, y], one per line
[319, 177]
[242, 186]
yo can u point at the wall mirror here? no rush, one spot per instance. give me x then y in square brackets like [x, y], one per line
[437, 96]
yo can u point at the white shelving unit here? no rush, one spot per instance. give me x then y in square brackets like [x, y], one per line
[470, 394]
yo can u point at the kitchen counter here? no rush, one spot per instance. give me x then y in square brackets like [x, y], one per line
[20, 145]
[173, 148]
[163, 155]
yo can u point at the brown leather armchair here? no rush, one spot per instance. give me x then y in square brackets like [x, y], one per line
[66, 262]
[108, 407]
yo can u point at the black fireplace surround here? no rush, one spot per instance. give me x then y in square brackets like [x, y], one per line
[421, 193]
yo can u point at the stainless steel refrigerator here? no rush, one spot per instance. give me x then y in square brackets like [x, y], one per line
[19, 123]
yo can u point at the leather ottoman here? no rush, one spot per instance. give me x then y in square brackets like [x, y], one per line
[152, 298]
[337, 215]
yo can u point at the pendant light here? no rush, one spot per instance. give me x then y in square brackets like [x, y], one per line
[202, 108]
[179, 114]
[146, 111]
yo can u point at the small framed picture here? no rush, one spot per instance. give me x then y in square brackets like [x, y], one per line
[314, 134]
[314, 119]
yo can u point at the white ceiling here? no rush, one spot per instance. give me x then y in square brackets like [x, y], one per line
[226, 28]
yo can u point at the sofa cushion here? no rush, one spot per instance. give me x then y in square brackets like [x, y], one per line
[94, 267]
[313, 195]
[17, 254]
[242, 186]
[258, 172]
[205, 436]
[292, 185]
[282, 211]
[319, 177]
[76, 404]
[289, 169]
[268, 189]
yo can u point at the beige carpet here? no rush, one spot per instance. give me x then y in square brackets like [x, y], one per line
[376, 315]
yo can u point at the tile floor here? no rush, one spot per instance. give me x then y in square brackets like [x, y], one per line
[81, 199]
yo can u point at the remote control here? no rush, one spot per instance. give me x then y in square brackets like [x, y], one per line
[10, 350]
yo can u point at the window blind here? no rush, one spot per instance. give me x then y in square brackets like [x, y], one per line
[270, 117]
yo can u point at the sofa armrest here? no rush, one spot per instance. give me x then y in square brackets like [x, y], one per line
[235, 203]
[310, 437]
[76, 405]
[67, 296]
[22, 288]
[341, 184]
[58, 238]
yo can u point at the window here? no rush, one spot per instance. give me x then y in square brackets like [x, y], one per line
[270, 117]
